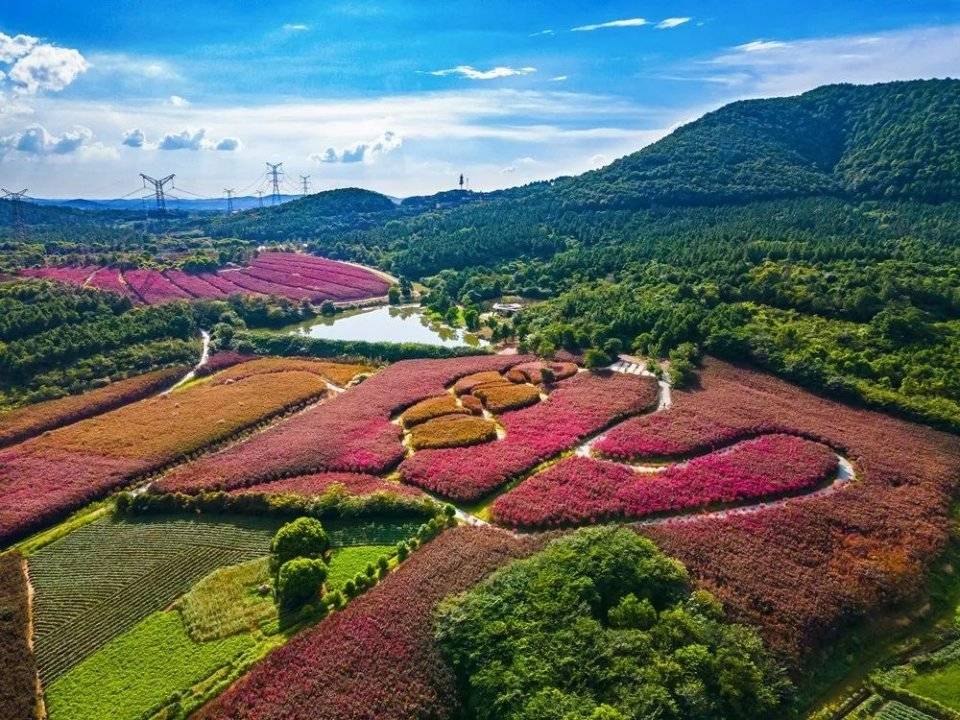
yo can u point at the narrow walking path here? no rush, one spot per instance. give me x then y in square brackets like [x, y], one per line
[204, 358]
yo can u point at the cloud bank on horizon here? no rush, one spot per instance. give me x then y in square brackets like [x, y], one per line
[402, 100]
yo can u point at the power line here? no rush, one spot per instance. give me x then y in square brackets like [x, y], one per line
[275, 172]
[19, 226]
[305, 179]
[158, 190]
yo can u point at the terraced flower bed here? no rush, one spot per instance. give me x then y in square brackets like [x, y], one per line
[502, 398]
[431, 408]
[46, 477]
[291, 275]
[452, 431]
[321, 483]
[581, 490]
[18, 425]
[336, 372]
[802, 570]
[351, 432]
[579, 407]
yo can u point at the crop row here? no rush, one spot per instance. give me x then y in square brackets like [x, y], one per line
[581, 490]
[377, 657]
[19, 668]
[351, 432]
[576, 409]
[802, 570]
[45, 477]
[289, 275]
[31, 420]
[105, 577]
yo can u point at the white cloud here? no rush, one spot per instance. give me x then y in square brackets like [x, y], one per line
[177, 101]
[14, 47]
[765, 68]
[36, 140]
[627, 22]
[472, 73]
[672, 22]
[598, 161]
[558, 78]
[296, 27]
[361, 152]
[542, 32]
[135, 67]
[38, 67]
[761, 46]
[183, 140]
[134, 138]
[228, 144]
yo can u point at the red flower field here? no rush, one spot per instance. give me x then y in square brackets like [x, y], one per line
[351, 432]
[581, 490]
[802, 570]
[577, 408]
[377, 658]
[291, 275]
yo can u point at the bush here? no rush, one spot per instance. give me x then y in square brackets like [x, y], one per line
[594, 358]
[300, 580]
[302, 538]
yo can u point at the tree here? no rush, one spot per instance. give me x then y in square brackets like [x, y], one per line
[299, 581]
[393, 295]
[303, 537]
[595, 358]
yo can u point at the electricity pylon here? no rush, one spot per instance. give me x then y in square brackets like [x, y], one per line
[305, 179]
[158, 190]
[274, 171]
[19, 227]
[229, 192]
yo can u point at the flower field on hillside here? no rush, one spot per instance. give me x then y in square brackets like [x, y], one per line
[291, 275]
[351, 432]
[378, 657]
[577, 408]
[430, 408]
[18, 425]
[581, 490]
[47, 476]
[336, 372]
[18, 690]
[802, 570]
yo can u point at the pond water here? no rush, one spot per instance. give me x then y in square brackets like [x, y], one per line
[386, 323]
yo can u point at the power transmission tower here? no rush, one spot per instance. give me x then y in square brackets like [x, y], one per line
[260, 197]
[461, 181]
[274, 171]
[158, 190]
[229, 192]
[305, 179]
[19, 227]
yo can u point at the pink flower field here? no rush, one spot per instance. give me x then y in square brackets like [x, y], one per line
[578, 408]
[291, 275]
[351, 432]
[580, 490]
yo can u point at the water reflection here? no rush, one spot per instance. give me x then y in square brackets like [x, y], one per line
[386, 323]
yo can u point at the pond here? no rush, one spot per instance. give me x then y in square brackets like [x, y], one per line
[386, 323]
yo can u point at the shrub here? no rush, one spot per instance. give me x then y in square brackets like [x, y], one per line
[595, 358]
[303, 537]
[299, 581]
[452, 431]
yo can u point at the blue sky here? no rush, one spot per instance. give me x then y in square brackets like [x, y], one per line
[401, 96]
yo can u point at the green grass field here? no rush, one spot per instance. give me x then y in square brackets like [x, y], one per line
[221, 618]
[138, 670]
[942, 685]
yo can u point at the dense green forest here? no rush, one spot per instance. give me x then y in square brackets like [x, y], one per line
[59, 339]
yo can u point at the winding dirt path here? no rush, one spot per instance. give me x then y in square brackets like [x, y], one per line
[204, 359]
